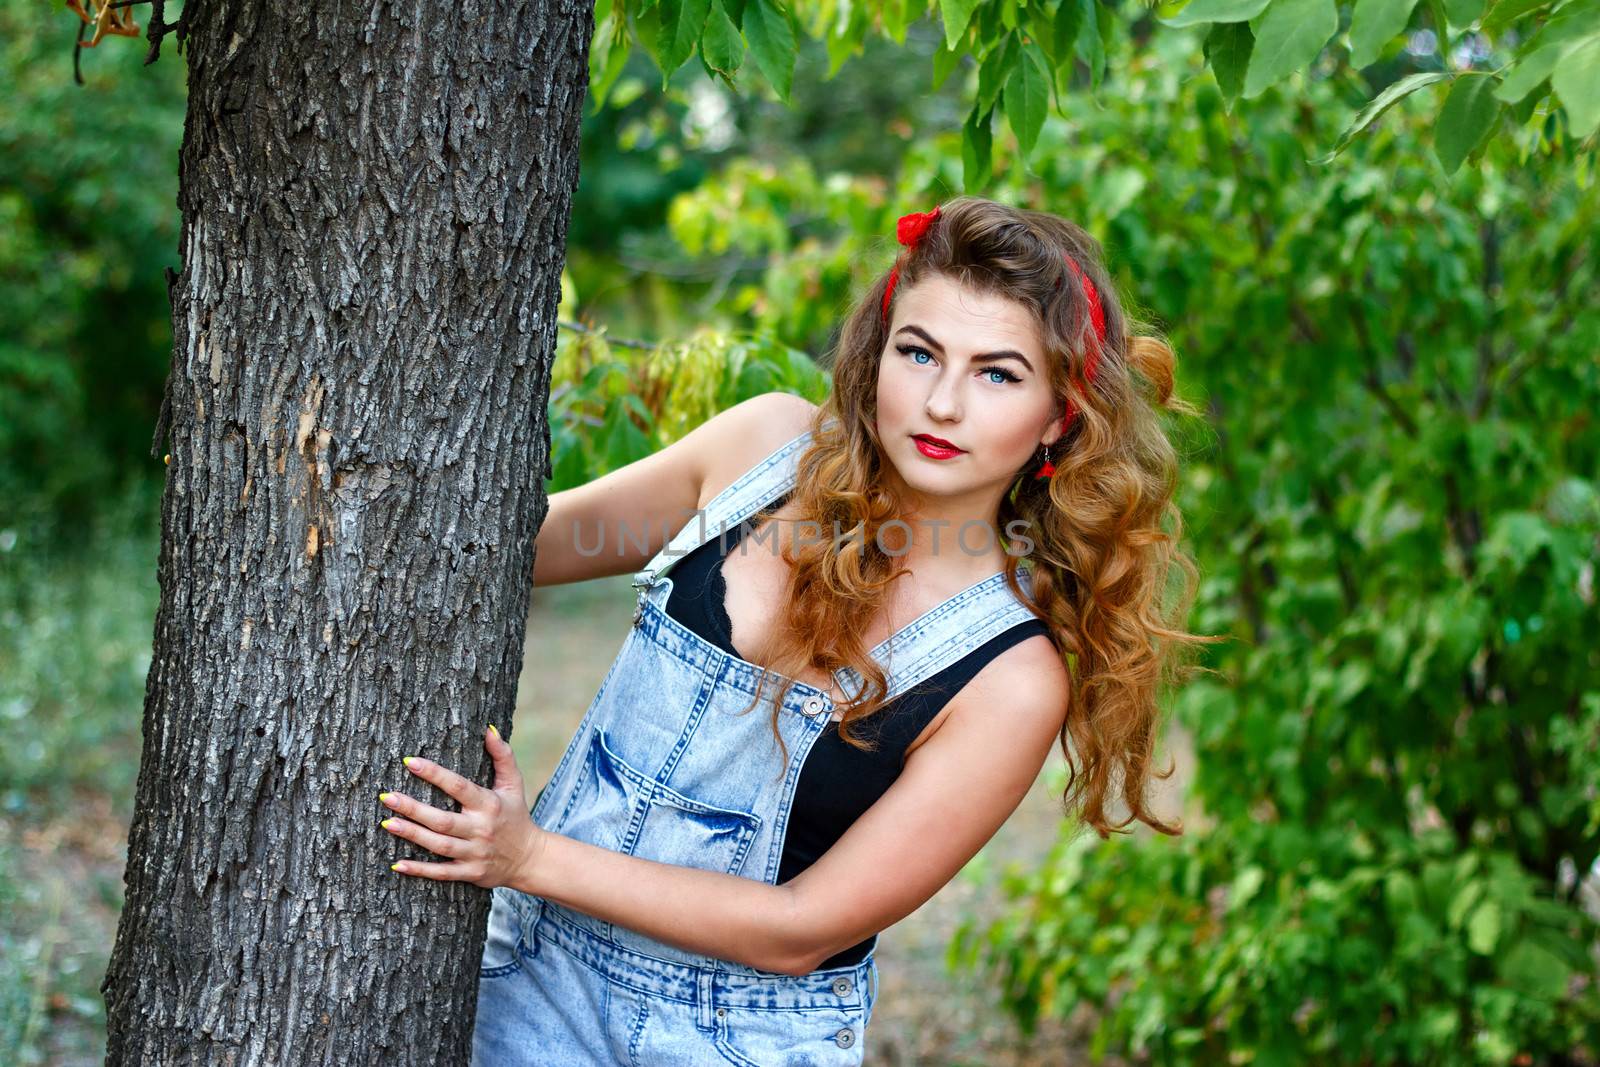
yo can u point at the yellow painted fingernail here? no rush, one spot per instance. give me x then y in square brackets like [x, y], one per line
[394, 866]
[407, 760]
[383, 798]
[385, 823]
[493, 730]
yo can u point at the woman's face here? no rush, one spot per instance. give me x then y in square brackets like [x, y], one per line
[969, 368]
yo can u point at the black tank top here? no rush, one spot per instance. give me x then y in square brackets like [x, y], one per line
[838, 782]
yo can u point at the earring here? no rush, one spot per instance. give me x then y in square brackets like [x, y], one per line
[1048, 468]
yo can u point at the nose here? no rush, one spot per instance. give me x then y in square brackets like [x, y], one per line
[944, 402]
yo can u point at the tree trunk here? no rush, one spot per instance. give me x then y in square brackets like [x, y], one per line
[375, 205]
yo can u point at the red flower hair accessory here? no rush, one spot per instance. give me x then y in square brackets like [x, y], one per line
[909, 230]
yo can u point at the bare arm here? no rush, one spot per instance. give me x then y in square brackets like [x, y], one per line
[957, 789]
[993, 742]
[995, 737]
[618, 522]
[725, 916]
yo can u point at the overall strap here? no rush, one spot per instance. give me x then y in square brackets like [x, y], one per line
[944, 634]
[768, 479]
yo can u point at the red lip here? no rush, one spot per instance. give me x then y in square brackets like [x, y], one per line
[937, 442]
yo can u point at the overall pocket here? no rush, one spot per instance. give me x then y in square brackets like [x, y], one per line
[818, 1037]
[502, 940]
[618, 807]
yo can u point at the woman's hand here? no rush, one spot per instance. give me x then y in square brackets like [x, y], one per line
[492, 841]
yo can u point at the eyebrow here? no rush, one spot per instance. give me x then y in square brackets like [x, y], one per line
[983, 357]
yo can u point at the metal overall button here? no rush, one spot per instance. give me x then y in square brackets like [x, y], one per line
[813, 706]
[642, 583]
[841, 986]
[845, 1038]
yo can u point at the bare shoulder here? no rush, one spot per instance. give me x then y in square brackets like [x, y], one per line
[1021, 694]
[1027, 680]
[749, 431]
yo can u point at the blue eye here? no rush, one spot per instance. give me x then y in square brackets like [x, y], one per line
[914, 351]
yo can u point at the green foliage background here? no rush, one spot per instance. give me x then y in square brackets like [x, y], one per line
[1393, 497]
[1397, 518]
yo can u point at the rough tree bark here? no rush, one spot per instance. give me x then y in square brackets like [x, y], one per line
[375, 203]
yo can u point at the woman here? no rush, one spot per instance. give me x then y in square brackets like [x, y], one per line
[700, 884]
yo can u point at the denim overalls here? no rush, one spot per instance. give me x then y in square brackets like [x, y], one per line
[663, 767]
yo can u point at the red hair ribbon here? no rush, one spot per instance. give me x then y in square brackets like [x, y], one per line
[909, 230]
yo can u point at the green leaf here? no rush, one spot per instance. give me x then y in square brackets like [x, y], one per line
[1288, 37]
[771, 40]
[1064, 31]
[1041, 27]
[1505, 12]
[945, 60]
[647, 29]
[956, 15]
[1227, 49]
[608, 54]
[1441, 29]
[1375, 23]
[1246, 886]
[1027, 98]
[1483, 929]
[1577, 82]
[894, 16]
[1574, 21]
[977, 148]
[1530, 71]
[988, 26]
[1198, 11]
[1531, 968]
[1400, 892]
[844, 42]
[1439, 1023]
[995, 69]
[1117, 189]
[1466, 120]
[722, 47]
[1090, 44]
[682, 25]
[1379, 104]
[624, 441]
[1463, 12]
[1461, 905]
